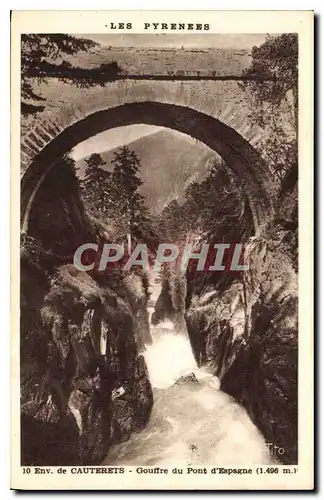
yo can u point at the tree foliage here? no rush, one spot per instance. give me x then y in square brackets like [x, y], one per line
[274, 103]
[97, 187]
[113, 197]
[215, 209]
[276, 59]
[46, 56]
[130, 204]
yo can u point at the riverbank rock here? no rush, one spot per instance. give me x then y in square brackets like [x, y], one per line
[187, 379]
[77, 350]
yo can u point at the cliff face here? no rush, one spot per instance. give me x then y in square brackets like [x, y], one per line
[84, 385]
[171, 301]
[248, 331]
[248, 334]
[244, 327]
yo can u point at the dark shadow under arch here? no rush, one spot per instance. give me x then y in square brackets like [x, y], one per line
[239, 155]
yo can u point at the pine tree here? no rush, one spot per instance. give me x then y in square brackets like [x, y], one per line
[97, 188]
[43, 56]
[173, 221]
[215, 209]
[129, 202]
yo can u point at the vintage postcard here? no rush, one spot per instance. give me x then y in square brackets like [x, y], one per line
[162, 245]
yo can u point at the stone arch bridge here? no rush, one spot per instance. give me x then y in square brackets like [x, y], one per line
[212, 109]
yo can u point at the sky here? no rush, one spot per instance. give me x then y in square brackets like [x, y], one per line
[112, 138]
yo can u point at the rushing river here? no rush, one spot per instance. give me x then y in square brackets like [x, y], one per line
[191, 423]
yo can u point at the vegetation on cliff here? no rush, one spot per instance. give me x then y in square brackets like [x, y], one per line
[84, 385]
[45, 56]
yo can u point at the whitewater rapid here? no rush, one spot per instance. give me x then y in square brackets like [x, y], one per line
[191, 423]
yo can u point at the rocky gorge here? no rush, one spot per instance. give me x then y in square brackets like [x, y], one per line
[85, 386]
[246, 331]
[136, 368]
[84, 382]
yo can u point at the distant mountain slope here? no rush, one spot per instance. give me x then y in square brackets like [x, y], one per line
[169, 162]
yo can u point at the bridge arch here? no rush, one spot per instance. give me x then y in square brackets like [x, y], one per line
[238, 153]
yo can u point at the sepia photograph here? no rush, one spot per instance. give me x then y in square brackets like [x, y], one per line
[159, 251]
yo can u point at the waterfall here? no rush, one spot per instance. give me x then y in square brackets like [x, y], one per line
[170, 355]
[192, 423]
